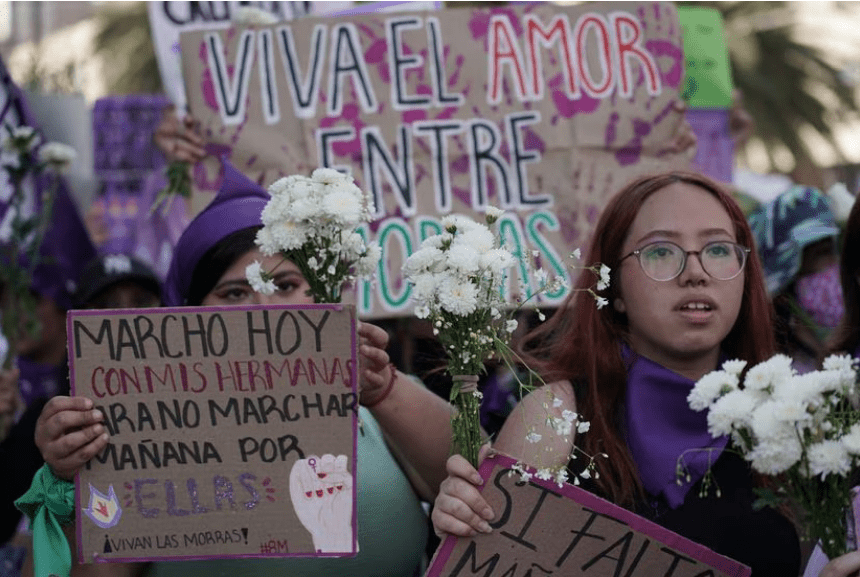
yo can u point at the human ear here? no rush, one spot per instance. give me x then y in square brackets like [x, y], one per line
[619, 305]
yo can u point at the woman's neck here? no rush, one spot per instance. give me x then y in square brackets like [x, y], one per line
[693, 367]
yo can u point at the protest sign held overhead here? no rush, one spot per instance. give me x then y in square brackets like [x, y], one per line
[232, 431]
[538, 109]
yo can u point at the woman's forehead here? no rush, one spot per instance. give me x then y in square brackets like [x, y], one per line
[680, 210]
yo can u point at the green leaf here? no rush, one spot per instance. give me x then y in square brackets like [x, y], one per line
[766, 498]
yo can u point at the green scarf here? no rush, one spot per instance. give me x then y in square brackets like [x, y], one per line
[50, 504]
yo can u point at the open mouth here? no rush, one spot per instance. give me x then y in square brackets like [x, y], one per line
[696, 307]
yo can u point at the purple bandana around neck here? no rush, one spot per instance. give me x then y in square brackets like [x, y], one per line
[661, 426]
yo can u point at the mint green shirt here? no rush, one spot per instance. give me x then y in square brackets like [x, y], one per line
[392, 528]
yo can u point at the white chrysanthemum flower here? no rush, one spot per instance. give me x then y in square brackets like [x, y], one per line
[601, 302]
[729, 411]
[841, 363]
[603, 283]
[479, 238]
[791, 411]
[457, 297]
[330, 176]
[57, 155]
[851, 440]
[307, 209]
[266, 242]
[511, 325]
[776, 456]
[460, 223]
[561, 476]
[767, 422]
[343, 207]
[809, 388]
[734, 366]
[254, 274]
[497, 261]
[464, 259]
[289, 235]
[424, 287]
[303, 188]
[494, 212]
[251, 15]
[828, 458]
[422, 260]
[770, 373]
[367, 263]
[352, 246]
[282, 185]
[276, 210]
[710, 387]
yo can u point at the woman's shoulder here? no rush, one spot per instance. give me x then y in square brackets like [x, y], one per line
[540, 430]
[556, 395]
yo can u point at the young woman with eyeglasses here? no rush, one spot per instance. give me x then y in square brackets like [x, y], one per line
[685, 295]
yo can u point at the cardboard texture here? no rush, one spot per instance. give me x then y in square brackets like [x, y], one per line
[539, 109]
[543, 529]
[232, 431]
[709, 77]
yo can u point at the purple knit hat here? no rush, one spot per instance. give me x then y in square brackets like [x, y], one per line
[238, 205]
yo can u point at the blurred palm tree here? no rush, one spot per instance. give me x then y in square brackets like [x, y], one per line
[124, 39]
[789, 87]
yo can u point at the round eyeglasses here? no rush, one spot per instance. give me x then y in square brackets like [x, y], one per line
[664, 260]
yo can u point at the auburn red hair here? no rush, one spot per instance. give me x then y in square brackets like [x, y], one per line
[581, 343]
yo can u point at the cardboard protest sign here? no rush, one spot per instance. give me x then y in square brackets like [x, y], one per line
[709, 78]
[715, 147]
[168, 19]
[544, 529]
[232, 431]
[539, 109]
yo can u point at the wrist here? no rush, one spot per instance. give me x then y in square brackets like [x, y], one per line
[373, 401]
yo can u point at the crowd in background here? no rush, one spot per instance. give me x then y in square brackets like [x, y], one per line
[801, 279]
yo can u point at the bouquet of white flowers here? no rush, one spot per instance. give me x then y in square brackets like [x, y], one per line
[26, 159]
[314, 222]
[804, 428]
[458, 278]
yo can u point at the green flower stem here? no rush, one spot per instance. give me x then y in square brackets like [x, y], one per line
[178, 184]
[18, 306]
[466, 423]
[825, 503]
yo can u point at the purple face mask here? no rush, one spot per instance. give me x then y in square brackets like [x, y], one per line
[820, 295]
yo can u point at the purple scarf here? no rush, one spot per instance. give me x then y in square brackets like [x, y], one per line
[39, 381]
[661, 426]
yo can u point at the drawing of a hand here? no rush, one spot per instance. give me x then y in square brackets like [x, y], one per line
[321, 491]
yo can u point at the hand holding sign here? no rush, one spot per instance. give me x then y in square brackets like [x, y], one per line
[69, 433]
[321, 491]
[460, 508]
